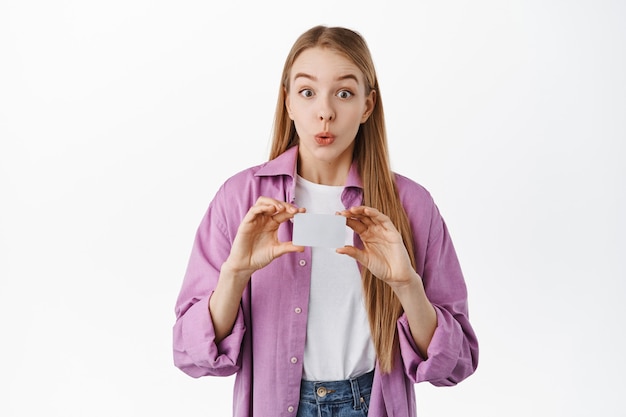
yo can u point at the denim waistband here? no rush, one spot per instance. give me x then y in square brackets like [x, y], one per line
[338, 391]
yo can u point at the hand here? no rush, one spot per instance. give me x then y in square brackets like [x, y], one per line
[256, 243]
[383, 253]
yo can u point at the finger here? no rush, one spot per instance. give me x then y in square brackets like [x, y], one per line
[355, 214]
[360, 210]
[366, 220]
[268, 206]
[262, 201]
[375, 216]
[372, 217]
[365, 214]
[287, 214]
[262, 210]
[278, 203]
[354, 253]
[356, 225]
[287, 247]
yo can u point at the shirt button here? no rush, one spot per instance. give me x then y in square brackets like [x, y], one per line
[294, 360]
[290, 409]
[298, 310]
[302, 262]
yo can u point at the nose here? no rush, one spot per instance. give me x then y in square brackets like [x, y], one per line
[327, 116]
[326, 113]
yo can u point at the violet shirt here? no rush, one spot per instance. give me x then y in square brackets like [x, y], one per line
[266, 346]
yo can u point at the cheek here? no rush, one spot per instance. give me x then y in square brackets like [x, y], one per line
[355, 114]
[296, 109]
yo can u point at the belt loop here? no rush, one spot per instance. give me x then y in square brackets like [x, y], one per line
[356, 393]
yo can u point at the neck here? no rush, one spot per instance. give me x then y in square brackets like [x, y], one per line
[324, 173]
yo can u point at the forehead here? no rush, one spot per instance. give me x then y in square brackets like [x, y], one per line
[324, 64]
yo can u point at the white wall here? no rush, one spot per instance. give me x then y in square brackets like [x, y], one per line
[119, 119]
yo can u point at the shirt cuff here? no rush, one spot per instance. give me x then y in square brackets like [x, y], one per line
[199, 340]
[443, 350]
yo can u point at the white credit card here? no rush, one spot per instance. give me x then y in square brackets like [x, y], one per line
[321, 230]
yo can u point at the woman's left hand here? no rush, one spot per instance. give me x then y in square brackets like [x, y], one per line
[383, 253]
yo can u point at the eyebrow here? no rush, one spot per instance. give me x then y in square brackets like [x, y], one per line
[313, 78]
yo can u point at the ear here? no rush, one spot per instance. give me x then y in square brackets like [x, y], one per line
[287, 103]
[370, 103]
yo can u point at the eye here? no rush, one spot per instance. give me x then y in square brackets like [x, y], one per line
[306, 93]
[344, 94]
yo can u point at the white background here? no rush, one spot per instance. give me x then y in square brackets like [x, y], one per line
[119, 120]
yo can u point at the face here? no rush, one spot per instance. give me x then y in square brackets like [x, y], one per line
[327, 102]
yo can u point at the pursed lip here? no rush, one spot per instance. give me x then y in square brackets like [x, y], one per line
[325, 138]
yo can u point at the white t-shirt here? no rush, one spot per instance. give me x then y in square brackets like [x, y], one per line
[338, 342]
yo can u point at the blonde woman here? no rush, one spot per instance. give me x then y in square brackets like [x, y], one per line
[315, 331]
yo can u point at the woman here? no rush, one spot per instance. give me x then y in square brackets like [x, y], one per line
[308, 330]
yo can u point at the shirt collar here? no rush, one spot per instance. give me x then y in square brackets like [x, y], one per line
[286, 164]
[283, 164]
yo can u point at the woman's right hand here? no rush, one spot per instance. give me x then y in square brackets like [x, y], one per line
[256, 243]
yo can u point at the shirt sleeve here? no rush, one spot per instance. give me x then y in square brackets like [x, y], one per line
[453, 350]
[195, 351]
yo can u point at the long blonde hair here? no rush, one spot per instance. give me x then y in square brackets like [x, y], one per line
[372, 157]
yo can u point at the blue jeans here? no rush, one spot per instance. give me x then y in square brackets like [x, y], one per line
[349, 398]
